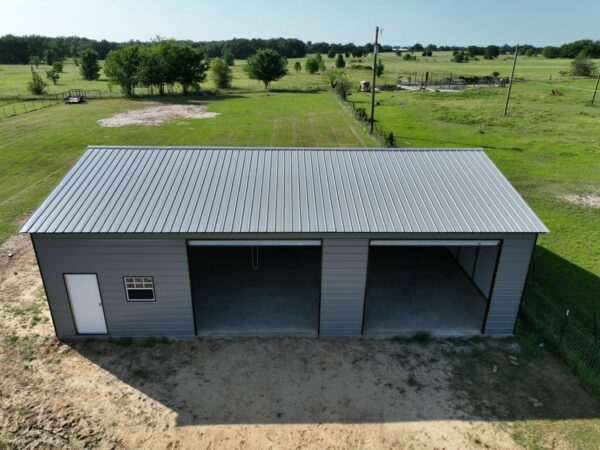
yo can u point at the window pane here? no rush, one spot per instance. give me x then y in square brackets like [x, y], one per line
[141, 294]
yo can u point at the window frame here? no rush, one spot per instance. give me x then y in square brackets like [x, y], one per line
[139, 300]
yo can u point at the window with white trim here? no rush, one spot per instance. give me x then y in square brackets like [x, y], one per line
[139, 289]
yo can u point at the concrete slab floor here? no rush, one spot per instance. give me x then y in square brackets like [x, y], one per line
[280, 297]
[413, 289]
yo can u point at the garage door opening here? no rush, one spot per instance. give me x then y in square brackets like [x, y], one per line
[442, 289]
[253, 288]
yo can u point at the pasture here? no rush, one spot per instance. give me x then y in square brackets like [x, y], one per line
[14, 78]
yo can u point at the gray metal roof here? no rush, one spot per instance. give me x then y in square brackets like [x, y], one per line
[246, 190]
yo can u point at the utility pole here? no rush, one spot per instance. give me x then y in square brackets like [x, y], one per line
[512, 75]
[375, 51]
[595, 89]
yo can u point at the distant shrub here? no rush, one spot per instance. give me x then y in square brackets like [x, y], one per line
[362, 113]
[340, 63]
[582, 66]
[57, 66]
[221, 73]
[297, 66]
[228, 58]
[36, 86]
[390, 139]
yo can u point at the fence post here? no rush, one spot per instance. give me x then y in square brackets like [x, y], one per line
[562, 331]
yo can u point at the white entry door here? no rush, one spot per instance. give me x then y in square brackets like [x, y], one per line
[86, 303]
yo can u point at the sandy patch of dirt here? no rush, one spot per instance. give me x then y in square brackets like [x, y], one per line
[155, 115]
[592, 201]
[249, 393]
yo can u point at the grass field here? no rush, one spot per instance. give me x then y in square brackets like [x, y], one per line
[36, 148]
[14, 78]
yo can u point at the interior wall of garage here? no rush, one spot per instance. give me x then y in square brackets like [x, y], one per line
[112, 259]
[479, 264]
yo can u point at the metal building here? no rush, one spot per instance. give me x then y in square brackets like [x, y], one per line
[173, 241]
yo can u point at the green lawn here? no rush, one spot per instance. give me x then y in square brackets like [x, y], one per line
[37, 148]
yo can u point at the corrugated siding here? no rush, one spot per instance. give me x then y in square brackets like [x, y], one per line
[511, 274]
[484, 270]
[111, 259]
[286, 190]
[343, 286]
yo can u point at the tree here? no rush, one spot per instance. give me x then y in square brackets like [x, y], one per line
[474, 50]
[491, 52]
[191, 67]
[398, 52]
[331, 53]
[551, 52]
[52, 75]
[582, 66]
[49, 56]
[343, 85]
[340, 63]
[36, 86]
[221, 73]
[266, 65]
[121, 67]
[379, 68]
[530, 52]
[35, 61]
[297, 66]
[57, 66]
[89, 67]
[229, 58]
[460, 57]
[331, 76]
[312, 65]
[151, 68]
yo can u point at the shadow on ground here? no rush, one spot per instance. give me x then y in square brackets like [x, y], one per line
[307, 380]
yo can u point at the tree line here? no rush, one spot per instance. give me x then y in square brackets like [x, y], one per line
[22, 49]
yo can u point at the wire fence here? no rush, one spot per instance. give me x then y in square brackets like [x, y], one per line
[360, 114]
[578, 341]
[14, 105]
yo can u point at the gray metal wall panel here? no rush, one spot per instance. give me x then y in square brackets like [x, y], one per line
[111, 259]
[511, 274]
[343, 286]
[466, 258]
[484, 270]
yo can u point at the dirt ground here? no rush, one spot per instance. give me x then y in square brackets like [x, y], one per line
[155, 115]
[593, 201]
[272, 393]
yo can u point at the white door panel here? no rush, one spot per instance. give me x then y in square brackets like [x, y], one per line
[86, 303]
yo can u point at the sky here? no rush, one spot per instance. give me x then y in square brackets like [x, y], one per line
[441, 22]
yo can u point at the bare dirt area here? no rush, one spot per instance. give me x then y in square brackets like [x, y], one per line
[156, 115]
[592, 201]
[272, 393]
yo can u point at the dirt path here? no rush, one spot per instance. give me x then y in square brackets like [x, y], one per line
[155, 115]
[237, 393]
